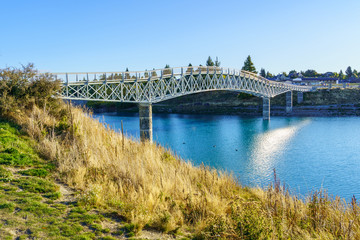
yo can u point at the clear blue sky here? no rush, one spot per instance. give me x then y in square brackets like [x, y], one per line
[104, 35]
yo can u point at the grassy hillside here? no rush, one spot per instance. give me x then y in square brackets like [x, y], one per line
[141, 184]
[35, 206]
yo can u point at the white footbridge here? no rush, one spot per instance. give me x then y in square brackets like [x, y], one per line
[148, 87]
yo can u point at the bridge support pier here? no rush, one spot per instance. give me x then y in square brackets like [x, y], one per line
[266, 108]
[145, 116]
[289, 103]
[300, 97]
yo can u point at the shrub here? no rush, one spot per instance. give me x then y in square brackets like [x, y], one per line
[22, 89]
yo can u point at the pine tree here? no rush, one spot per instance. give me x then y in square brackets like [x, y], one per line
[217, 63]
[209, 62]
[249, 65]
[355, 73]
[341, 75]
[262, 72]
[349, 72]
[269, 75]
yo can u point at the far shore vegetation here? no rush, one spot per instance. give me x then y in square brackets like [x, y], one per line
[122, 188]
[350, 74]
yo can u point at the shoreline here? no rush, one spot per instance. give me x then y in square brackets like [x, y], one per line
[323, 103]
[331, 110]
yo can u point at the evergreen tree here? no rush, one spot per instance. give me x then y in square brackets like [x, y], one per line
[262, 72]
[349, 72]
[217, 63]
[209, 62]
[269, 75]
[355, 73]
[341, 75]
[249, 65]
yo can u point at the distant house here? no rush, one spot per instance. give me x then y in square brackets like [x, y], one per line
[315, 81]
[354, 80]
[282, 78]
[297, 81]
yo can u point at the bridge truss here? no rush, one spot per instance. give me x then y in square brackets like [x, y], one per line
[163, 84]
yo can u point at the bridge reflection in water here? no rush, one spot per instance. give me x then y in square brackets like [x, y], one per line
[148, 87]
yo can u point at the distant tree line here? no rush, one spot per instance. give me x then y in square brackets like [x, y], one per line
[250, 67]
[349, 73]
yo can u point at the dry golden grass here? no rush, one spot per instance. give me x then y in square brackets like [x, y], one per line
[151, 187]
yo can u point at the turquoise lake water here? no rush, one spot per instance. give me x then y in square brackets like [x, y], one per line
[308, 154]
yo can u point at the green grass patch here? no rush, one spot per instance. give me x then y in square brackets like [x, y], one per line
[5, 175]
[53, 196]
[17, 159]
[78, 214]
[39, 209]
[36, 185]
[69, 230]
[37, 172]
[15, 149]
[7, 206]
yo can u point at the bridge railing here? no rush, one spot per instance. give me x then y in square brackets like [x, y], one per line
[144, 75]
[132, 76]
